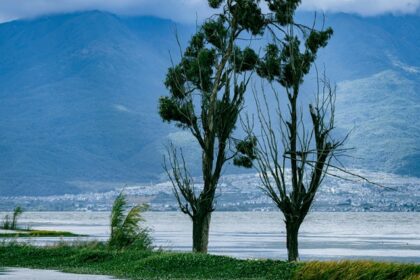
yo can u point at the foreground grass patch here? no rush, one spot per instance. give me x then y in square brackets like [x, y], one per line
[139, 264]
[355, 270]
[38, 233]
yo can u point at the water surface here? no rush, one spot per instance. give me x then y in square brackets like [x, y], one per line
[324, 235]
[39, 274]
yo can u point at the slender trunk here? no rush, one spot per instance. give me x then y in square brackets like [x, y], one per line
[14, 222]
[201, 227]
[292, 231]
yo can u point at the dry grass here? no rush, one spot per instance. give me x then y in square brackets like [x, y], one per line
[357, 270]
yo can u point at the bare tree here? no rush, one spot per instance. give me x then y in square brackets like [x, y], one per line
[292, 172]
[292, 157]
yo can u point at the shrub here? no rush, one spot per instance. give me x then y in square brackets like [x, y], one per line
[12, 223]
[126, 230]
[16, 213]
[6, 222]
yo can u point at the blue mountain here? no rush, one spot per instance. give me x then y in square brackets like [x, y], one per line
[78, 101]
[376, 64]
[79, 92]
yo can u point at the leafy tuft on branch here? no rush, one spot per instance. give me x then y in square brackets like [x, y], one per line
[248, 15]
[215, 4]
[246, 152]
[284, 10]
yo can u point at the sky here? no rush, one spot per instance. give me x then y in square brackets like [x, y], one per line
[188, 10]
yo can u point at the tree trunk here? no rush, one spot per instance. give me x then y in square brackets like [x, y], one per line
[201, 227]
[292, 231]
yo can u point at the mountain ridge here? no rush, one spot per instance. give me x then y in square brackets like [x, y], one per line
[79, 92]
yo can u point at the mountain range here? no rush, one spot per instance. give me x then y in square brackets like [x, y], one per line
[79, 93]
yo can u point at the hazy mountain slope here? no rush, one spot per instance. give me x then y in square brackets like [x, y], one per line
[382, 112]
[364, 46]
[78, 97]
[78, 101]
[376, 64]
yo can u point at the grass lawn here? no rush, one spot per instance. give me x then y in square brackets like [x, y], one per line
[137, 264]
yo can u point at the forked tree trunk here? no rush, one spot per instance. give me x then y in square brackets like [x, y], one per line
[201, 227]
[292, 231]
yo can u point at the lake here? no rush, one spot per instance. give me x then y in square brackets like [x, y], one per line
[324, 235]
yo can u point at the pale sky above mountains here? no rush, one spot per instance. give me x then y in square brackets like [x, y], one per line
[188, 10]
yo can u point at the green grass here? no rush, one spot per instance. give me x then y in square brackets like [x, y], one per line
[137, 264]
[95, 258]
[38, 233]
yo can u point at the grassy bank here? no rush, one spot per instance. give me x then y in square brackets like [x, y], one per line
[38, 233]
[136, 264]
[348, 270]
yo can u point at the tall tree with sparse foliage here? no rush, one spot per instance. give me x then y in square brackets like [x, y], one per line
[293, 157]
[206, 96]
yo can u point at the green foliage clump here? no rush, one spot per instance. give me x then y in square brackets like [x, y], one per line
[126, 230]
[244, 60]
[215, 32]
[207, 66]
[249, 15]
[175, 80]
[246, 152]
[215, 4]
[290, 64]
[269, 66]
[172, 109]
[284, 10]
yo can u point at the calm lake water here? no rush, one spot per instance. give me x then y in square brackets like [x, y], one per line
[379, 236]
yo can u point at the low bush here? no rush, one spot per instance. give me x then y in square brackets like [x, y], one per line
[126, 229]
[11, 223]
